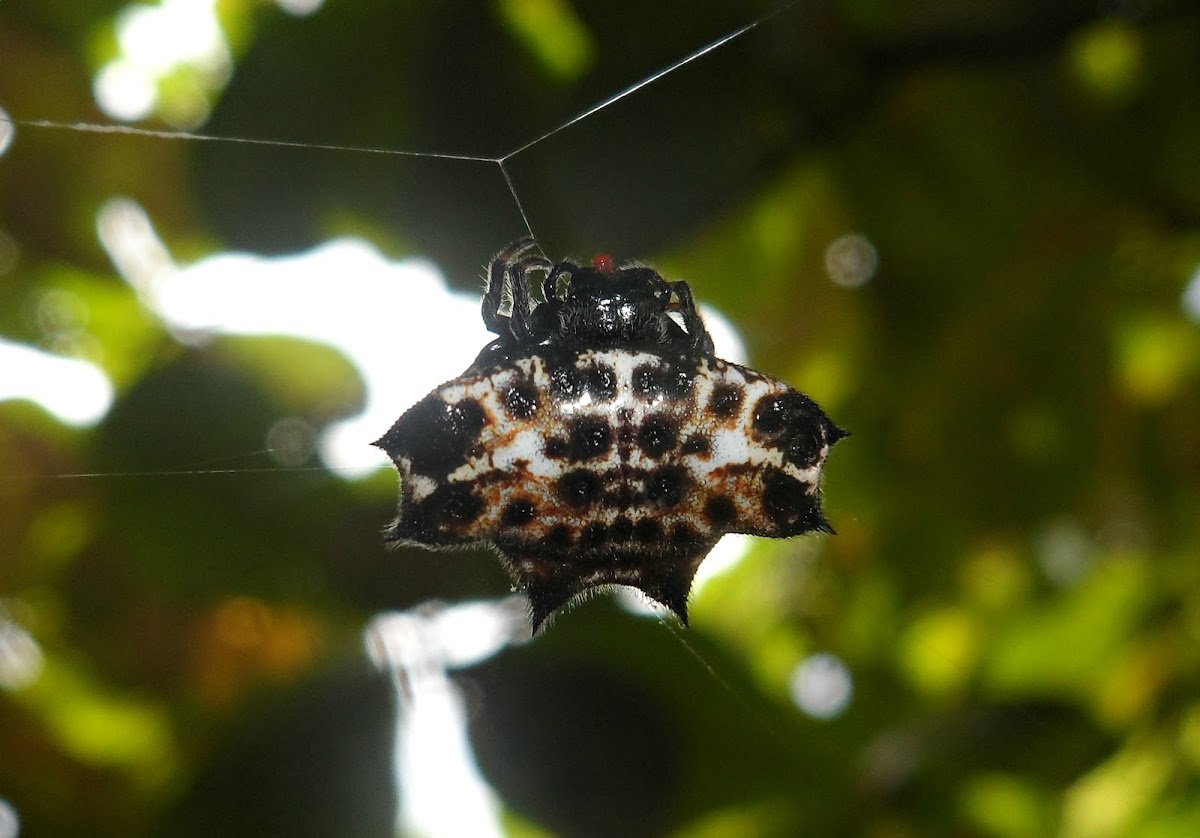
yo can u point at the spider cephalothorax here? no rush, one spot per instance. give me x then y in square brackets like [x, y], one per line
[587, 306]
[598, 441]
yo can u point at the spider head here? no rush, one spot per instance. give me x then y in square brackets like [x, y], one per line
[625, 306]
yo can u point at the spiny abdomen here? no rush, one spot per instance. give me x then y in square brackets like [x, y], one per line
[609, 452]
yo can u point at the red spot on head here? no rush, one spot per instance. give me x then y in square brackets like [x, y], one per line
[603, 263]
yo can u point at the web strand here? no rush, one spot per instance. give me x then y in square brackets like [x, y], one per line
[650, 79]
[84, 475]
[132, 130]
[512, 189]
[752, 712]
[198, 469]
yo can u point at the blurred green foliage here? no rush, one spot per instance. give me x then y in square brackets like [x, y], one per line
[1014, 587]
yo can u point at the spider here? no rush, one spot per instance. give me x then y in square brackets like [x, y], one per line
[598, 440]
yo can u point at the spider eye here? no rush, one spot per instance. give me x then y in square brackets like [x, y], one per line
[603, 263]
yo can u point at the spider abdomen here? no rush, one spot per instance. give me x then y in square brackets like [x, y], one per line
[610, 466]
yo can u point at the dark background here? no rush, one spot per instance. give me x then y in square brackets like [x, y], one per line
[1014, 583]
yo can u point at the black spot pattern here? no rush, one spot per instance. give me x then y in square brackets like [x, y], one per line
[559, 537]
[579, 488]
[566, 382]
[794, 424]
[600, 381]
[594, 535]
[518, 513]
[726, 401]
[789, 504]
[591, 437]
[804, 446]
[661, 380]
[677, 384]
[720, 511]
[521, 400]
[771, 413]
[658, 435]
[622, 529]
[437, 435]
[683, 536]
[647, 531]
[454, 504]
[696, 444]
[645, 381]
[569, 383]
[667, 485]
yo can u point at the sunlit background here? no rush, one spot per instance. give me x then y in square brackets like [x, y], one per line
[974, 238]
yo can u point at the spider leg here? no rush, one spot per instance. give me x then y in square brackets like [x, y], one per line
[493, 320]
[519, 286]
[701, 340]
[493, 296]
[550, 283]
[520, 322]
